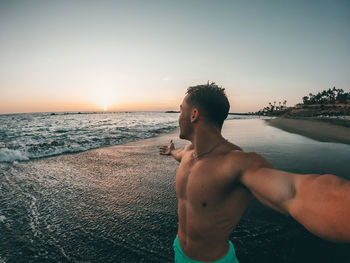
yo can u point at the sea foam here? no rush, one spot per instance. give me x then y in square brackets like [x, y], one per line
[2, 219]
[7, 155]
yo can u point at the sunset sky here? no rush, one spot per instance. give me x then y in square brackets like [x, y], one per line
[142, 55]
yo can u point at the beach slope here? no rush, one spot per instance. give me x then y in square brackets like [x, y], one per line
[315, 129]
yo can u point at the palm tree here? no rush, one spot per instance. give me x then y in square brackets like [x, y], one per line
[332, 95]
[306, 100]
[312, 98]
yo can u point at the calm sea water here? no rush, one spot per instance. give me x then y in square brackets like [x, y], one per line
[82, 208]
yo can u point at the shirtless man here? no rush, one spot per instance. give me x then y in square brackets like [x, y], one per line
[216, 180]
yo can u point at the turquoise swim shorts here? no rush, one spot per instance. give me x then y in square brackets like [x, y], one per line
[180, 257]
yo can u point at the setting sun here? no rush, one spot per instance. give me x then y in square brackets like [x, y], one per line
[104, 101]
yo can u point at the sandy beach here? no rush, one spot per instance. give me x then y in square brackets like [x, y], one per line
[321, 130]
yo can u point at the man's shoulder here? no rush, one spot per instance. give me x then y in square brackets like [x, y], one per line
[248, 160]
[188, 147]
[187, 151]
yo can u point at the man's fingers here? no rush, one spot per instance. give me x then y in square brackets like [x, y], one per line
[163, 150]
[163, 153]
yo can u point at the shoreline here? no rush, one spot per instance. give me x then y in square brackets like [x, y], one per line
[320, 129]
[324, 130]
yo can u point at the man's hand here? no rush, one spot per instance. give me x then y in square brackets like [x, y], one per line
[176, 153]
[166, 150]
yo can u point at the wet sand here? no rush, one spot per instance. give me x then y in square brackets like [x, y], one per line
[320, 130]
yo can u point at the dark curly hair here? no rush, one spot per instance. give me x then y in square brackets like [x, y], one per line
[211, 101]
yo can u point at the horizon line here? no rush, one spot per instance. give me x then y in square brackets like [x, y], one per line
[105, 112]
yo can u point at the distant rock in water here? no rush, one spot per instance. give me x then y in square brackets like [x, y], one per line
[172, 111]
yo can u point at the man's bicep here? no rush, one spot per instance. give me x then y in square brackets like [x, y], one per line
[274, 188]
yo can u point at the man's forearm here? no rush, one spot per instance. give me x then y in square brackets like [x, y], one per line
[176, 153]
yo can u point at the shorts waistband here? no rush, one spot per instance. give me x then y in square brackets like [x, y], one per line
[180, 256]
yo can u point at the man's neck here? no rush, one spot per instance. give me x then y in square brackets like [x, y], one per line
[204, 139]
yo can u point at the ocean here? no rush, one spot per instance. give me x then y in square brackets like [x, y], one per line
[34, 135]
[60, 202]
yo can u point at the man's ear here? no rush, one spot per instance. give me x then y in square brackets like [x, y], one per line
[194, 115]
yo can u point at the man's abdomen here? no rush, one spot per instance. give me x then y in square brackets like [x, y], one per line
[204, 231]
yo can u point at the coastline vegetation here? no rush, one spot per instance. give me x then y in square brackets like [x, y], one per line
[331, 102]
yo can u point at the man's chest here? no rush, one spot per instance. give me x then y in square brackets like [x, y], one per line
[206, 182]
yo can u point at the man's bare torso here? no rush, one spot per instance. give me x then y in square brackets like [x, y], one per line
[211, 201]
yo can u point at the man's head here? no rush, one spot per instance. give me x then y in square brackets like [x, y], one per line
[207, 103]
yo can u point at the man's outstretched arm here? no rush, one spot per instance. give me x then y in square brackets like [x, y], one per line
[170, 150]
[321, 203]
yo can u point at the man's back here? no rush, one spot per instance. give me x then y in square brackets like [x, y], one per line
[211, 200]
